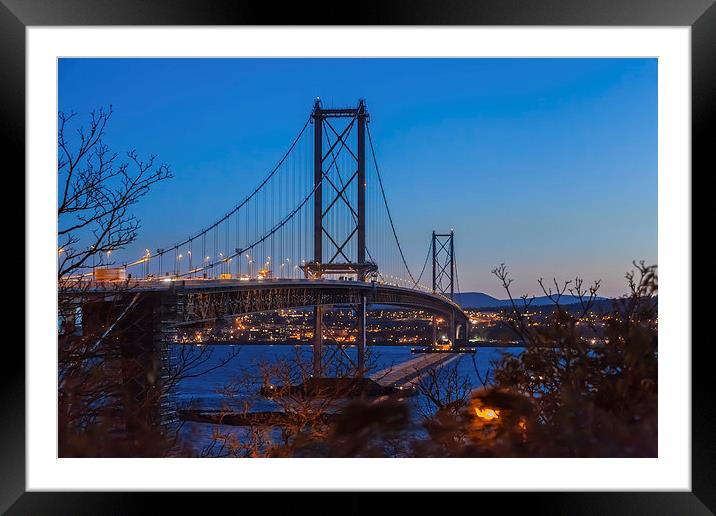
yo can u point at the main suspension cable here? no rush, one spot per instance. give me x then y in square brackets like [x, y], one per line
[249, 197]
[425, 264]
[385, 201]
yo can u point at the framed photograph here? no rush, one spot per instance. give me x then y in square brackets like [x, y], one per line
[433, 249]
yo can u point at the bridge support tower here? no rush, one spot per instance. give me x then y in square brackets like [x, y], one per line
[443, 253]
[333, 253]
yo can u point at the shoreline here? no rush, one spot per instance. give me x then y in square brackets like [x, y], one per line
[486, 344]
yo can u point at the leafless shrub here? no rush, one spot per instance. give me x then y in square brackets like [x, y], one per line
[108, 393]
[592, 396]
[442, 388]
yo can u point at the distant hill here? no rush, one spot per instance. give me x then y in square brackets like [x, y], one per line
[481, 300]
[477, 300]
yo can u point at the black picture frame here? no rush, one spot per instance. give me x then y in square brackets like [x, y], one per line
[700, 15]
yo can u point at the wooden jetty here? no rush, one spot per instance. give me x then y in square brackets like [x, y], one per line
[409, 372]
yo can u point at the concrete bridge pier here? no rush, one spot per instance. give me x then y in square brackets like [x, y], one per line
[456, 329]
[435, 330]
[361, 340]
[451, 328]
[317, 340]
[145, 362]
[130, 331]
[462, 326]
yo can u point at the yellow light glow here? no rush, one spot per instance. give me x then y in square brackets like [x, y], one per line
[487, 413]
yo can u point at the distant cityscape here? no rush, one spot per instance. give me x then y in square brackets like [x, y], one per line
[386, 326]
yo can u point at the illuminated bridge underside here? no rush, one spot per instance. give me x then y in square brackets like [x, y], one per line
[207, 303]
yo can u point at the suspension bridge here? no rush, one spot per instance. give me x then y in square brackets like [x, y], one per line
[316, 231]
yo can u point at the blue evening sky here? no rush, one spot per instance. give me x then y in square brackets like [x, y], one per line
[548, 165]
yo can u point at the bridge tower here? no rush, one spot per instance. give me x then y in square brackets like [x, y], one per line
[444, 264]
[443, 250]
[339, 250]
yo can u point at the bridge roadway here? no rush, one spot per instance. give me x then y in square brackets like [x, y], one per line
[202, 300]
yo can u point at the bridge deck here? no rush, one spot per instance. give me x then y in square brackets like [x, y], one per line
[198, 301]
[410, 371]
[171, 283]
[233, 285]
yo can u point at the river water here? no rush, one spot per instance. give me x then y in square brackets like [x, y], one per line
[241, 376]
